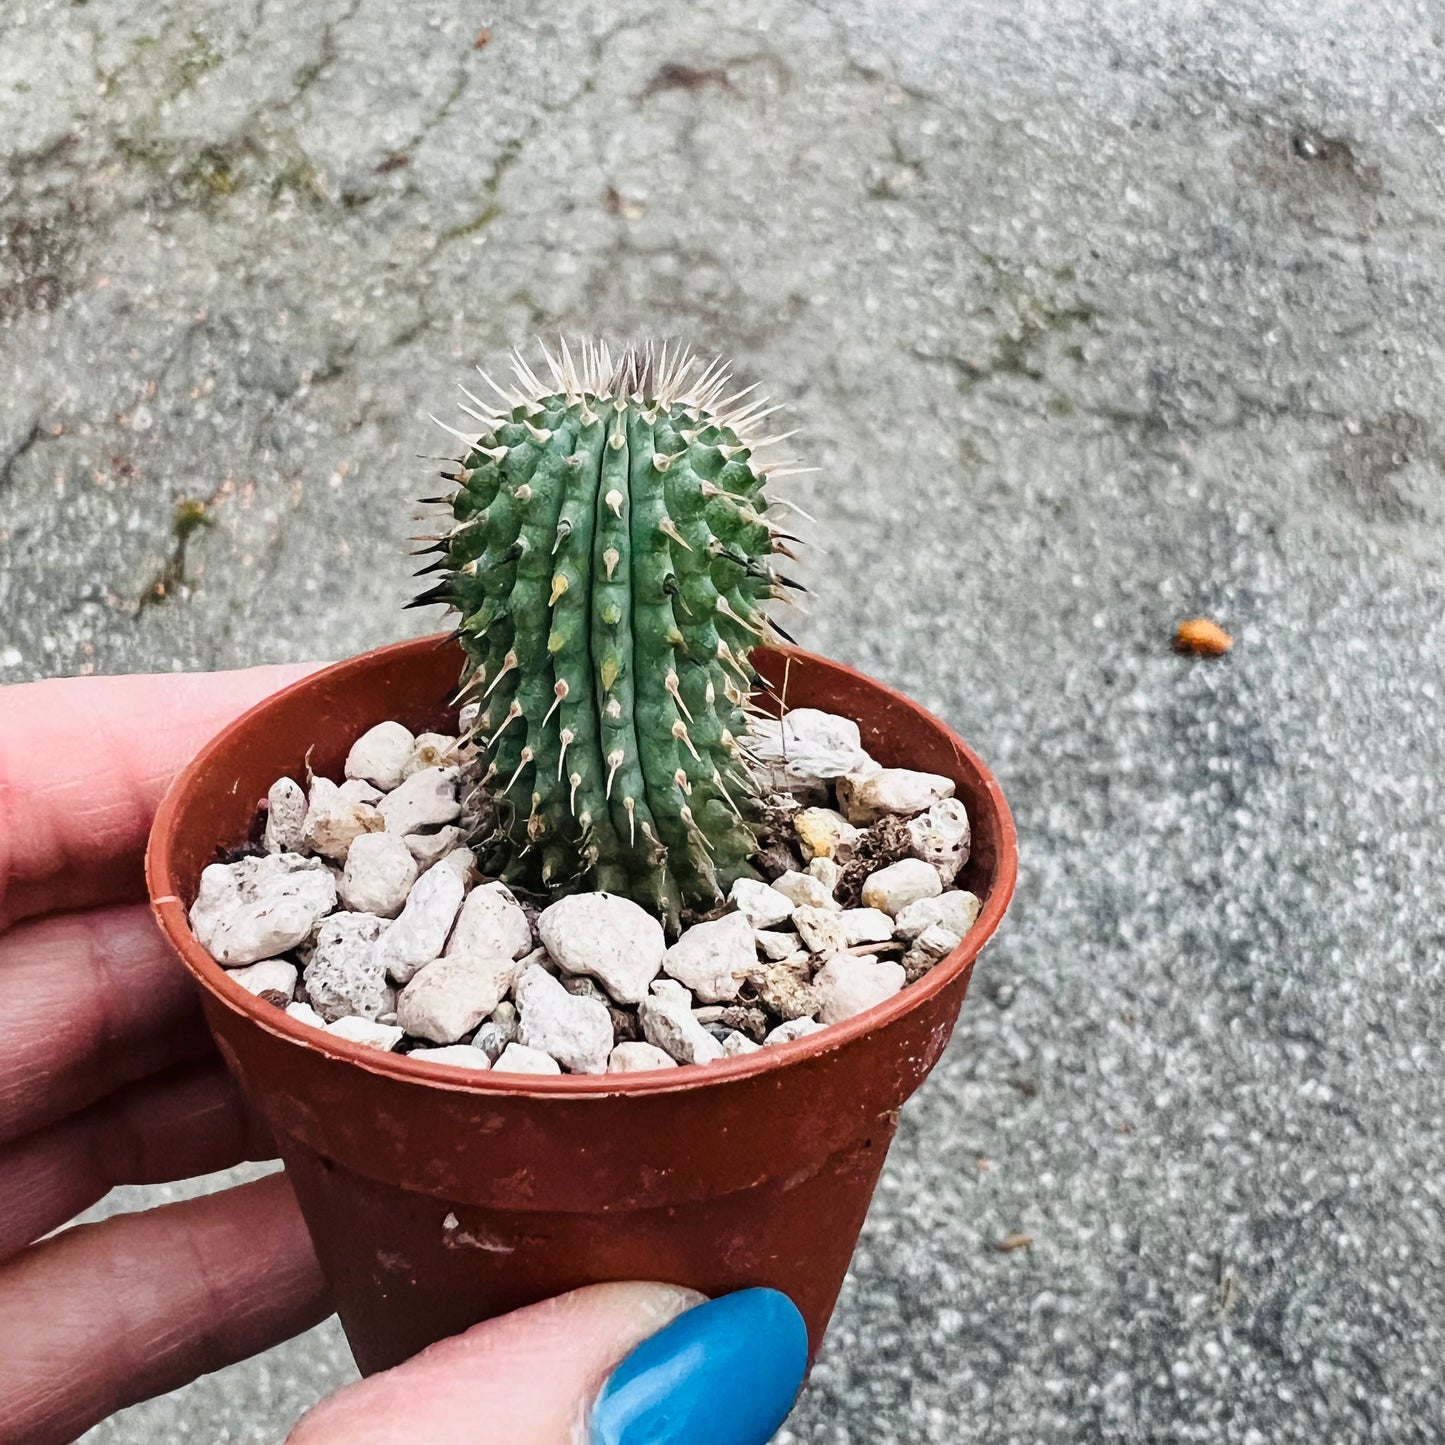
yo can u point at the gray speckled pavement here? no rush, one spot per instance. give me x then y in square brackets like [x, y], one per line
[1097, 315]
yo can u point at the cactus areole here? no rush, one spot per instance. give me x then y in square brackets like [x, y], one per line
[610, 557]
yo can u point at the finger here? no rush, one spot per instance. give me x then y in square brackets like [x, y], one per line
[526, 1378]
[104, 1315]
[183, 1123]
[83, 764]
[92, 1001]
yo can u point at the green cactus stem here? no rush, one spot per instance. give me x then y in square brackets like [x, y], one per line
[610, 554]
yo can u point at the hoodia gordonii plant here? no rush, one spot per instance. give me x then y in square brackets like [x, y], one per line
[610, 555]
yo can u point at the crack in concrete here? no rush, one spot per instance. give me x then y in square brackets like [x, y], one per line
[17, 453]
[512, 150]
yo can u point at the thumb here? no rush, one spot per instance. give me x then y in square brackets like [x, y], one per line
[612, 1364]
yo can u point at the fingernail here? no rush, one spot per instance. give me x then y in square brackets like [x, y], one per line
[725, 1373]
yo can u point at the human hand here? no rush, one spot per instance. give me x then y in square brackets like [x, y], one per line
[108, 1077]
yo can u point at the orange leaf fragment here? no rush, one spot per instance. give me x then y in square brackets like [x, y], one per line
[1203, 638]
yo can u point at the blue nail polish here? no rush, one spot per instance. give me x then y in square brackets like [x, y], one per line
[725, 1373]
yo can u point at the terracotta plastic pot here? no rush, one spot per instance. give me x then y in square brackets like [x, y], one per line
[438, 1197]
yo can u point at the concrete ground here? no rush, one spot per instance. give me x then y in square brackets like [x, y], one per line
[1096, 315]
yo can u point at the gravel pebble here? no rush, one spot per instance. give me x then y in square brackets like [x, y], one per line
[450, 996]
[423, 800]
[784, 989]
[426, 848]
[865, 925]
[941, 836]
[378, 875]
[367, 1032]
[335, 816]
[285, 817]
[608, 937]
[671, 988]
[379, 756]
[820, 929]
[785, 1033]
[304, 1013]
[780, 945]
[519, 1059]
[495, 1034]
[431, 750]
[825, 833]
[954, 911]
[802, 889]
[712, 959]
[274, 979]
[460, 1056]
[893, 888]
[638, 1058]
[848, 984]
[760, 903]
[492, 921]
[937, 941]
[826, 871]
[805, 750]
[260, 907]
[346, 973]
[420, 932]
[747, 1019]
[575, 1031]
[865, 797]
[736, 1044]
[462, 862]
[668, 1023]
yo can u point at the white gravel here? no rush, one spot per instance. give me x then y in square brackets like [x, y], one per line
[820, 929]
[450, 996]
[366, 1031]
[669, 1024]
[866, 797]
[260, 907]
[273, 979]
[942, 837]
[893, 888]
[608, 938]
[492, 921]
[519, 1059]
[380, 755]
[574, 1030]
[804, 890]
[420, 932]
[461, 1056]
[346, 973]
[426, 950]
[762, 905]
[955, 912]
[849, 983]
[865, 925]
[425, 800]
[285, 817]
[378, 875]
[335, 816]
[806, 750]
[713, 959]
[637, 1058]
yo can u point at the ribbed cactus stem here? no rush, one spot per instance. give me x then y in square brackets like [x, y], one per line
[610, 555]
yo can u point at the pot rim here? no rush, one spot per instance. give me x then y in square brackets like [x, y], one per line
[171, 916]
